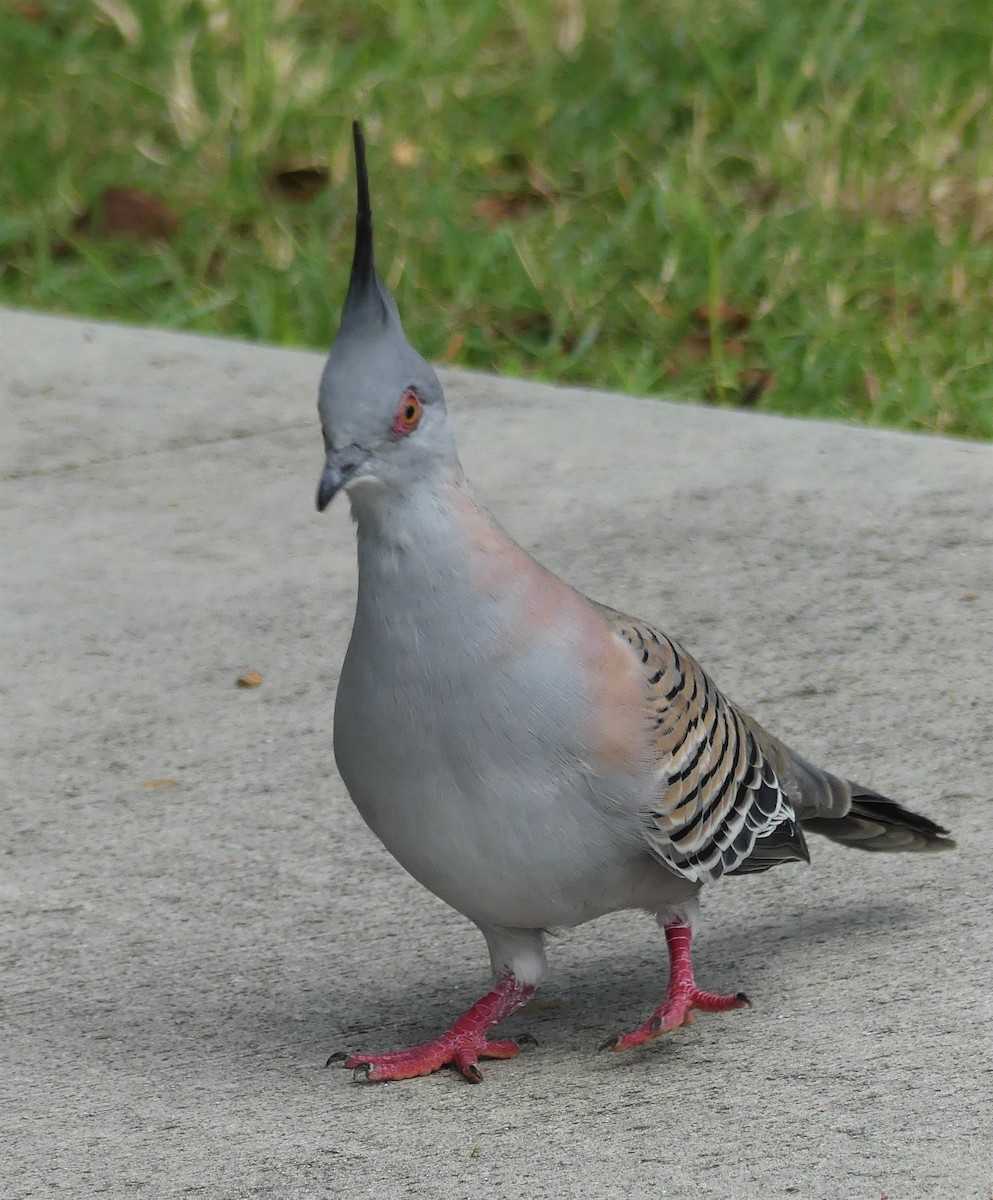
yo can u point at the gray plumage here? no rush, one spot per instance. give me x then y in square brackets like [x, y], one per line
[532, 757]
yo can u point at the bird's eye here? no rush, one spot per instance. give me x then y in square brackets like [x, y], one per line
[408, 413]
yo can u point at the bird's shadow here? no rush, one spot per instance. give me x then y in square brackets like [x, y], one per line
[374, 1007]
[298, 1005]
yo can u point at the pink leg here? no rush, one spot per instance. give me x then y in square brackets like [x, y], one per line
[681, 998]
[461, 1046]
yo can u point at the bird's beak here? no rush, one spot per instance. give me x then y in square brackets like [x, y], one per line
[339, 467]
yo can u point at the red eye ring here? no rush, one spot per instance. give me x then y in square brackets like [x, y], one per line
[408, 413]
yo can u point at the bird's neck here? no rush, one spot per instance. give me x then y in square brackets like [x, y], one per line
[401, 519]
[433, 551]
[410, 540]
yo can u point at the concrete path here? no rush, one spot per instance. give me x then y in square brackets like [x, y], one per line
[194, 917]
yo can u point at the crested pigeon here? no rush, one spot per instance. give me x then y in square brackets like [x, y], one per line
[534, 758]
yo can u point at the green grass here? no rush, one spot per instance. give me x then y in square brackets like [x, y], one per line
[559, 185]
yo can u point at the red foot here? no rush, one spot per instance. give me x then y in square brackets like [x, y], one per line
[461, 1046]
[681, 998]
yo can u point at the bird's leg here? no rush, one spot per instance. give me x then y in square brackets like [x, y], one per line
[681, 998]
[460, 1046]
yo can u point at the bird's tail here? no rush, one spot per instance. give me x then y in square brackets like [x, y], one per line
[875, 822]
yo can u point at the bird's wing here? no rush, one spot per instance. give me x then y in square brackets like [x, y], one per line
[720, 803]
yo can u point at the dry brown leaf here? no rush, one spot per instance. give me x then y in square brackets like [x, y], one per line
[763, 193]
[535, 322]
[298, 183]
[453, 347]
[251, 679]
[539, 184]
[729, 316]
[157, 783]
[128, 212]
[696, 347]
[900, 305]
[519, 185]
[873, 388]
[969, 596]
[505, 206]
[214, 269]
[755, 382]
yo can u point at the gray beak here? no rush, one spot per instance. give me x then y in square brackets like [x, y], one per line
[339, 467]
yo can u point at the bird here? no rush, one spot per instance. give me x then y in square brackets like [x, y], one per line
[533, 757]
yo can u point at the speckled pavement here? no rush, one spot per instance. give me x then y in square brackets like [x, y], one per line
[194, 917]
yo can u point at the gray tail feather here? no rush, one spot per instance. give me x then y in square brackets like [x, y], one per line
[875, 822]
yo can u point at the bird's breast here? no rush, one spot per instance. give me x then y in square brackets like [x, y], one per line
[484, 713]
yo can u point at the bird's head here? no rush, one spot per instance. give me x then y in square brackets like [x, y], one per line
[381, 406]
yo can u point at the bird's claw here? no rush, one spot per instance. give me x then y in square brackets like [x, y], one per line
[431, 1057]
[676, 1011]
[339, 1056]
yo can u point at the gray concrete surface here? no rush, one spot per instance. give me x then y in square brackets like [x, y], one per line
[179, 960]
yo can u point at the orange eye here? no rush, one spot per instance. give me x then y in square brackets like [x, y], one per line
[408, 413]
